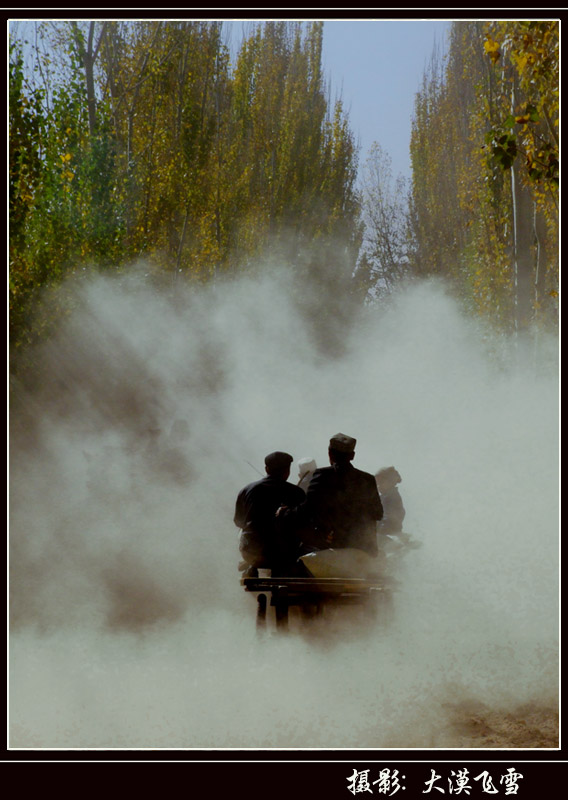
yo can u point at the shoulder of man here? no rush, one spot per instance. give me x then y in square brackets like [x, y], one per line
[367, 475]
[294, 489]
[366, 479]
[324, 471]
[250, 486]
[322, 477]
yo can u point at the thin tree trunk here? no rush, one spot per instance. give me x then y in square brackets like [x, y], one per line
[523, 237]
[523, 232]
[88, 57]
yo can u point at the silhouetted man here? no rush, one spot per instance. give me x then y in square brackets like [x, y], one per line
[342, 504]
[394, 511]
[265, 540]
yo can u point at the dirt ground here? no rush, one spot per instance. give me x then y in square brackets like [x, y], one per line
[474, 726]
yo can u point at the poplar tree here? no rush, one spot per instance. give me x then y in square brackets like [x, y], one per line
[151, 144]
[485, 171]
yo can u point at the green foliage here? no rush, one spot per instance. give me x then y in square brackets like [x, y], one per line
[484, 151]
[528, 54]
[27, 122]
[151, 143]
[503, 147]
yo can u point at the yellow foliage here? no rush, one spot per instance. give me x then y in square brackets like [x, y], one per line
[492, 49]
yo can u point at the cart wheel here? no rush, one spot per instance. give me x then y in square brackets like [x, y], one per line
[261, 612]
[281, 610]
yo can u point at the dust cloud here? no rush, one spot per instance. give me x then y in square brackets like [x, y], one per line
[129, 628]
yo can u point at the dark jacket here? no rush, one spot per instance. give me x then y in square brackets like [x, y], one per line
[255, 512]
[343, 506]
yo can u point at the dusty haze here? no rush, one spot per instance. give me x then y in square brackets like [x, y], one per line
[129, 626]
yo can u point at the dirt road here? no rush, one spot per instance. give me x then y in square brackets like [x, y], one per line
[478, 727]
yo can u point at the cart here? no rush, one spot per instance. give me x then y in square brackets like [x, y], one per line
[312, 595]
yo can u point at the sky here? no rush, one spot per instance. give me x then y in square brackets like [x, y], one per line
[377, 67]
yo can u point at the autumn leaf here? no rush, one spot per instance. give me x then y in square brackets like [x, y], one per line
[492, 49]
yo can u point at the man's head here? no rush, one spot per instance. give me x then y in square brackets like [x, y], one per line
[277, 465]
[341, 448]
[387, 478]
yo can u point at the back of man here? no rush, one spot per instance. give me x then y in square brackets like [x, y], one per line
[387, 480]
[346, 505]
[342, 503]
[264, 542]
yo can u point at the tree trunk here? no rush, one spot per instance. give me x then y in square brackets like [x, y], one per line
[523, 258]
[88, 57]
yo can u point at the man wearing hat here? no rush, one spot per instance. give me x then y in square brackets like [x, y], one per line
[342, 503]
[306, 469]
[266, 541]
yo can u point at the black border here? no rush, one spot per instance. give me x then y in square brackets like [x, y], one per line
[299, 774]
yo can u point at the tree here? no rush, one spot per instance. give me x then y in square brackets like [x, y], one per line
[88, 50]
[526, 54]
[26, 125]
[479, 217]
[386, 243]
[529, 53]
[152, 144]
